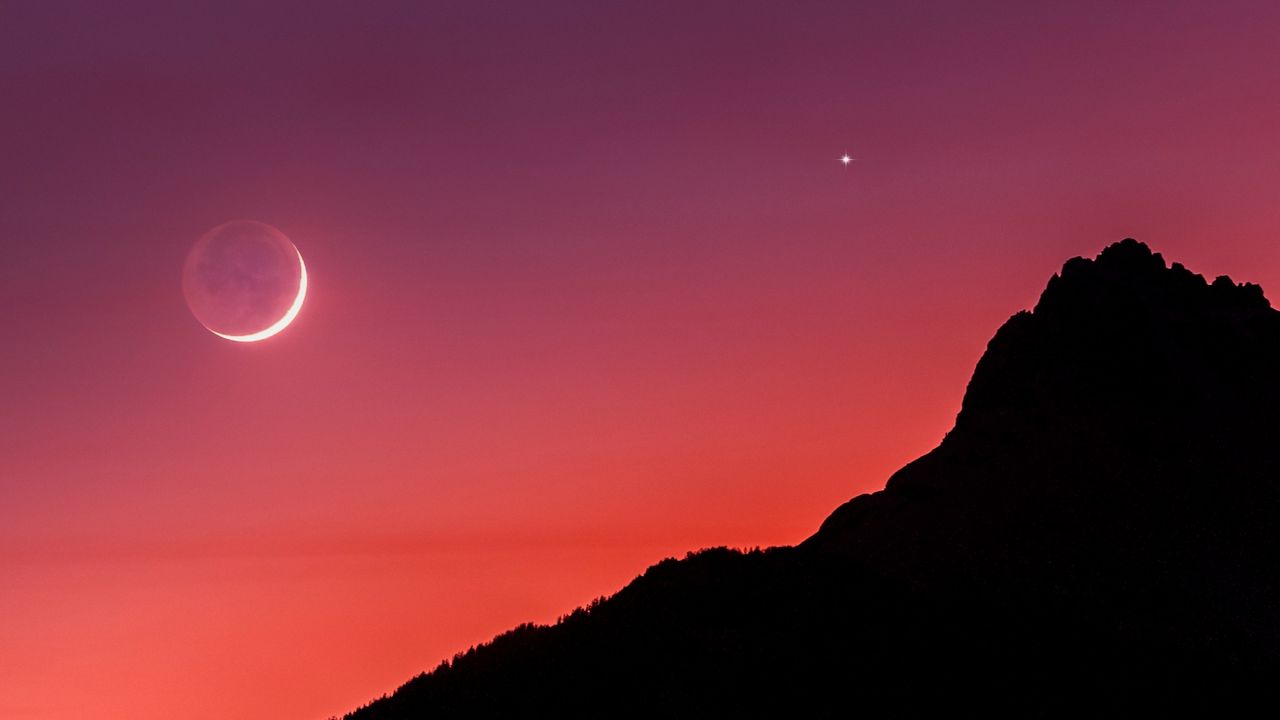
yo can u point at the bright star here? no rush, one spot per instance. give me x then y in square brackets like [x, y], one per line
[846, 159]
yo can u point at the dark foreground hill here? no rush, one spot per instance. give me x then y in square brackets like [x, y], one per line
[1097, 534]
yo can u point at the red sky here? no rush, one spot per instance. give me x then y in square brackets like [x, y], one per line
[588, 287]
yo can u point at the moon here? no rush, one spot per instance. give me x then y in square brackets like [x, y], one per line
[244, 281]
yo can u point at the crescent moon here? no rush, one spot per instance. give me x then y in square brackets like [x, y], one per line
[283, 322]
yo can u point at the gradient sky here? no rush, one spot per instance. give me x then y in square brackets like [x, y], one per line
[589, 287]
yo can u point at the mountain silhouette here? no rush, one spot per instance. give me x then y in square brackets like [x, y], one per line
[1097, 534]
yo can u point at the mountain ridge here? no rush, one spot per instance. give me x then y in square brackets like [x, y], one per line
[1096, 531]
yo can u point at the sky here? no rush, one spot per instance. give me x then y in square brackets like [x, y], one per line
[588, 287]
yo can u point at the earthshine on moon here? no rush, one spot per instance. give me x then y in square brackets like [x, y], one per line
[244, 281]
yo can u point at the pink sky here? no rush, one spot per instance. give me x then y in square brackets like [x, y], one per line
[588, 288]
